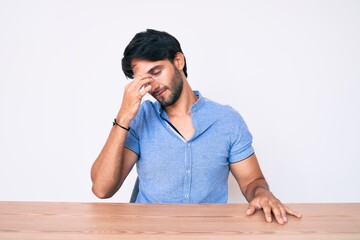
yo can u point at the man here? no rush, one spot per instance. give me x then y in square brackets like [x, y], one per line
[183, 144]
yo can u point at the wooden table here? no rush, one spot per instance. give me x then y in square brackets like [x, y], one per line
[44, 220]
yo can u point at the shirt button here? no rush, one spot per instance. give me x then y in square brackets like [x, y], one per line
[187, 171]
[186, 195]
[188, 144]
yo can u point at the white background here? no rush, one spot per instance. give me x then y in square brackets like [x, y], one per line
[291, 68]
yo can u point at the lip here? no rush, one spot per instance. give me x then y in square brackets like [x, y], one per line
[159, 94]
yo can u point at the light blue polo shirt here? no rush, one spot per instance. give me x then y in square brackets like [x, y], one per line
[173, 170]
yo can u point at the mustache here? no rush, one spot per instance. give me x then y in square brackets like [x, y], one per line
[159, 90]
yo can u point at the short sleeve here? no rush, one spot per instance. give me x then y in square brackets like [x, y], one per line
[132, 141]
[241, 141]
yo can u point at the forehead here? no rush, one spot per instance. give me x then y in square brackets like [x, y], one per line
[142, 66]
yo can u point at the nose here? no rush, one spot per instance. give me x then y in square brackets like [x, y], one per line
[154, 85]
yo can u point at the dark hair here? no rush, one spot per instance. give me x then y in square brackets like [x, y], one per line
[150, 45]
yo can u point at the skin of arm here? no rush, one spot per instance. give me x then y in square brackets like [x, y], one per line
[112, 166]
[115, 161]
[256, 190]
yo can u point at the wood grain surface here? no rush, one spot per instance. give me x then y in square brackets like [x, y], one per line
[45, 220]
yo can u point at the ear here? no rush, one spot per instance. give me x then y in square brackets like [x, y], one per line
[179, 61]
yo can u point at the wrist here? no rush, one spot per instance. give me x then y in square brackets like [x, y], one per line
[123, 120]
[260, 189]
[115, 123]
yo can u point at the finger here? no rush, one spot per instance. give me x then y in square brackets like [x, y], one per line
[292, 212]
[140, 80]
[141, 77]
[283, 213]
[267, 212]
[251, 210]
[146, 79]
[144, 90]
[139, 89]
[277, 213]
[143, 82]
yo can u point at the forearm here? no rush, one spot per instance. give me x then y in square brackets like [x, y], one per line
[105, 172]
[254, 187]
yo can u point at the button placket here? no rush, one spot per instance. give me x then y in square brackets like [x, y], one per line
[187, 177]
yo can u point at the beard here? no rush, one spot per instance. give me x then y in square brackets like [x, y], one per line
[175, 89]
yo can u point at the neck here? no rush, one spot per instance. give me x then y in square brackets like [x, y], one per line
[183, 105]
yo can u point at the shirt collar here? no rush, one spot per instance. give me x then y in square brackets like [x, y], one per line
[199, 103]
[196, 106]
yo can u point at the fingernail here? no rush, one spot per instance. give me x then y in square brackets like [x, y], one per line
[268, 219]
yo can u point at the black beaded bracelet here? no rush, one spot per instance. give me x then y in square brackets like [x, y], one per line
[115, 123]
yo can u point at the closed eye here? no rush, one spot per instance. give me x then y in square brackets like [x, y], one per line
[156, 73]
[156, 70]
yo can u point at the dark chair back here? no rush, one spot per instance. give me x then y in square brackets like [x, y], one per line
[135, 191]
